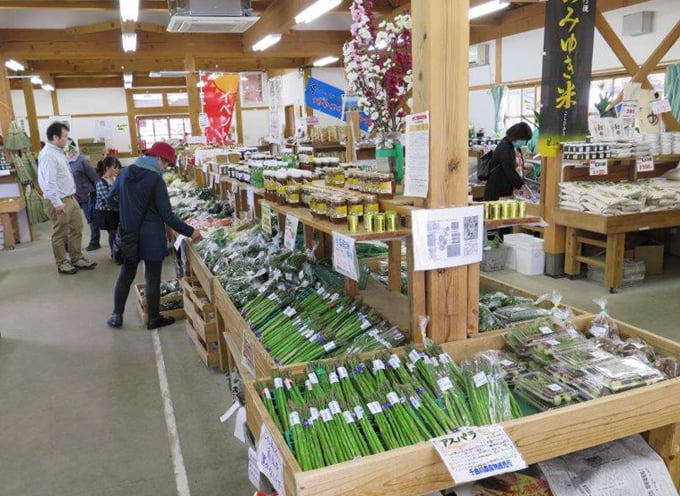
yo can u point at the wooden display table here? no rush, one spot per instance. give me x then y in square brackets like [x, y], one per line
[241, 192]
[418, 469]
[614, 228]
[9, 207]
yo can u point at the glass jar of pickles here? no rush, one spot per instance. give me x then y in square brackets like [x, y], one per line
[355, 205]
[337, 209]
[371, 204]
[293, 185]
[385, 185]
[338, 177]
[319, 205]
[281, 183]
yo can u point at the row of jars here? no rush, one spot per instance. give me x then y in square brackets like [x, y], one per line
[378, 183]
[337, 207]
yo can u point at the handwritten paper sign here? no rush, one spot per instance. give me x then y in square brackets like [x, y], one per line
[270, 460]
[473, 453]
[660, 106]
[267, 219]
[290, 231]
[253, 471]
[644, 164]
[345, 256]
[417, 173]
[598, 167]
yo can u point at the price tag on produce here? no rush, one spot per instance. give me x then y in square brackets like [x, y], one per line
[270, 460]
[644, 164]
[473, 453]
[253, 471]
[266, 218]
[598, 167]
[290, 231]
[248, 354]
[345, 256]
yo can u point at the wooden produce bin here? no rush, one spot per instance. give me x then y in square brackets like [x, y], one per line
[142, 310]
[201, 323]
[418, 469]
[197, 269]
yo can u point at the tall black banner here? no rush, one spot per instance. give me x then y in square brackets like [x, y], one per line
[567, 63]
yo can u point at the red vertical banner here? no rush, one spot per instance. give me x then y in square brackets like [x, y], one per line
[567, 62]
[219, 102]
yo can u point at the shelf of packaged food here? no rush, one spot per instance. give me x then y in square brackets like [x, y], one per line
[614, 229]
[329, 227]
[418, 469]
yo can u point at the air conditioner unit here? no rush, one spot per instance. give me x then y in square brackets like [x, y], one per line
[210, 16]
[479, 55]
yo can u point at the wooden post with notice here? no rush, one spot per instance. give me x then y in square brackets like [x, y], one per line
[440, 73]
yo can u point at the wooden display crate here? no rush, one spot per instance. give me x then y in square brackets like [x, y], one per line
[201, 322]
[197, 269]
[142, 310]
[418, 469]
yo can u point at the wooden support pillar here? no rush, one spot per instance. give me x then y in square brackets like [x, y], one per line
[193, 93]
[440, 72]
[31, 114]
[499, 61]
[132, 124]
[55, 102]
[666, 442]
[239, 118]
[352, 134]
[554, 236]
[6, 108]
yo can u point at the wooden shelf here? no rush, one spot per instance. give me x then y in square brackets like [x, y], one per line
[328, 227]
[614, 224]
[500, 223]
[242, 185]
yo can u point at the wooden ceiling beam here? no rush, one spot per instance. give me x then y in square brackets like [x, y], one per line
[55, 44]
[98, 27]
[530, 17]
[279, 17]
[157, 5]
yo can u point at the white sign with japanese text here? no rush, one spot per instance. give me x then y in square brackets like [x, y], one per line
[345, 256]
[599, 167]
[270, 460]
[417, 171]
[290, 231]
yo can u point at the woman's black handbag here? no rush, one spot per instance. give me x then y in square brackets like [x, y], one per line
[484, 167]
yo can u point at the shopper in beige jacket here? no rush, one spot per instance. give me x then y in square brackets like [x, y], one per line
[61, 205]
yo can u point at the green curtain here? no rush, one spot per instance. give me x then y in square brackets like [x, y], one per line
[498, 93]
[672, 89]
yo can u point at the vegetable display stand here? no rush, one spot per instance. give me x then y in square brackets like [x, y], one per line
[196, 268]
[239, 192]
[175, 313]
[614, 229]
[200, 322]
[418, 469]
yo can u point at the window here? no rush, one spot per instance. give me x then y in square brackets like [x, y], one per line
[152, 129]
[145, 100]
[612, 87]
[178, 99]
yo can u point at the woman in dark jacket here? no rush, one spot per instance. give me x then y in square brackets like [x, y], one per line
[138, 188]
[503, 177]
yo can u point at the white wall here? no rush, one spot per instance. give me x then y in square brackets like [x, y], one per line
[481, 111]
[255, 126]
[91, 101]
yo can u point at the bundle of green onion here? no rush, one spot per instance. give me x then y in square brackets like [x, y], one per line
[345, 410]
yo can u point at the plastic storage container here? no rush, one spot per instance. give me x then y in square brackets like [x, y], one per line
[494, 258]
[529, 256]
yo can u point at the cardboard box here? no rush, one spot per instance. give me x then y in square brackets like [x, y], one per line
[653, 257]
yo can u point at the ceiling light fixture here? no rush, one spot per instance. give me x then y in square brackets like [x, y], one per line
[129, 10]
[47, 87]
[13, 65]
[325, 61]
[129, 42]
[487, 8]
[36, 80]
[127, 78]
[317, 9]
[266, 42]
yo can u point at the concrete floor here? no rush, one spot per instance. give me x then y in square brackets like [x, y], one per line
[81, 411]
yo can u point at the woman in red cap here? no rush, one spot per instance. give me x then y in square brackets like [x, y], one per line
[145, 209]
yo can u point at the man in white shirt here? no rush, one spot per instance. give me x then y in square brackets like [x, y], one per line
[61, 205]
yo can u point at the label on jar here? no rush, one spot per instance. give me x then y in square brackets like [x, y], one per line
[356, 209]
[373, 207]
[385, 187]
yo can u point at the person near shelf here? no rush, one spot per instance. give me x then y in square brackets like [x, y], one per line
[106, 215]
[86, 178]
[59, 192]
[144, 204]
[506, 161]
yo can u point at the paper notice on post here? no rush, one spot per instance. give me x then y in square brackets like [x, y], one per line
[621, 468]
[447, 237]
[417, 143]
[270, 460]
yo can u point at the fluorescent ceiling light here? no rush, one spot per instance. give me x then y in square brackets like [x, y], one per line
[47, 87]
[317, 9]
[127, 86]
[129, 10]
[36, 80]
[129, 42]
[325, 61]
[266, 42]
[488, 8]
[167, 74]
[13, 65]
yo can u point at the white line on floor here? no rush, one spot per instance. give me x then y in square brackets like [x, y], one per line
[179, 468]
